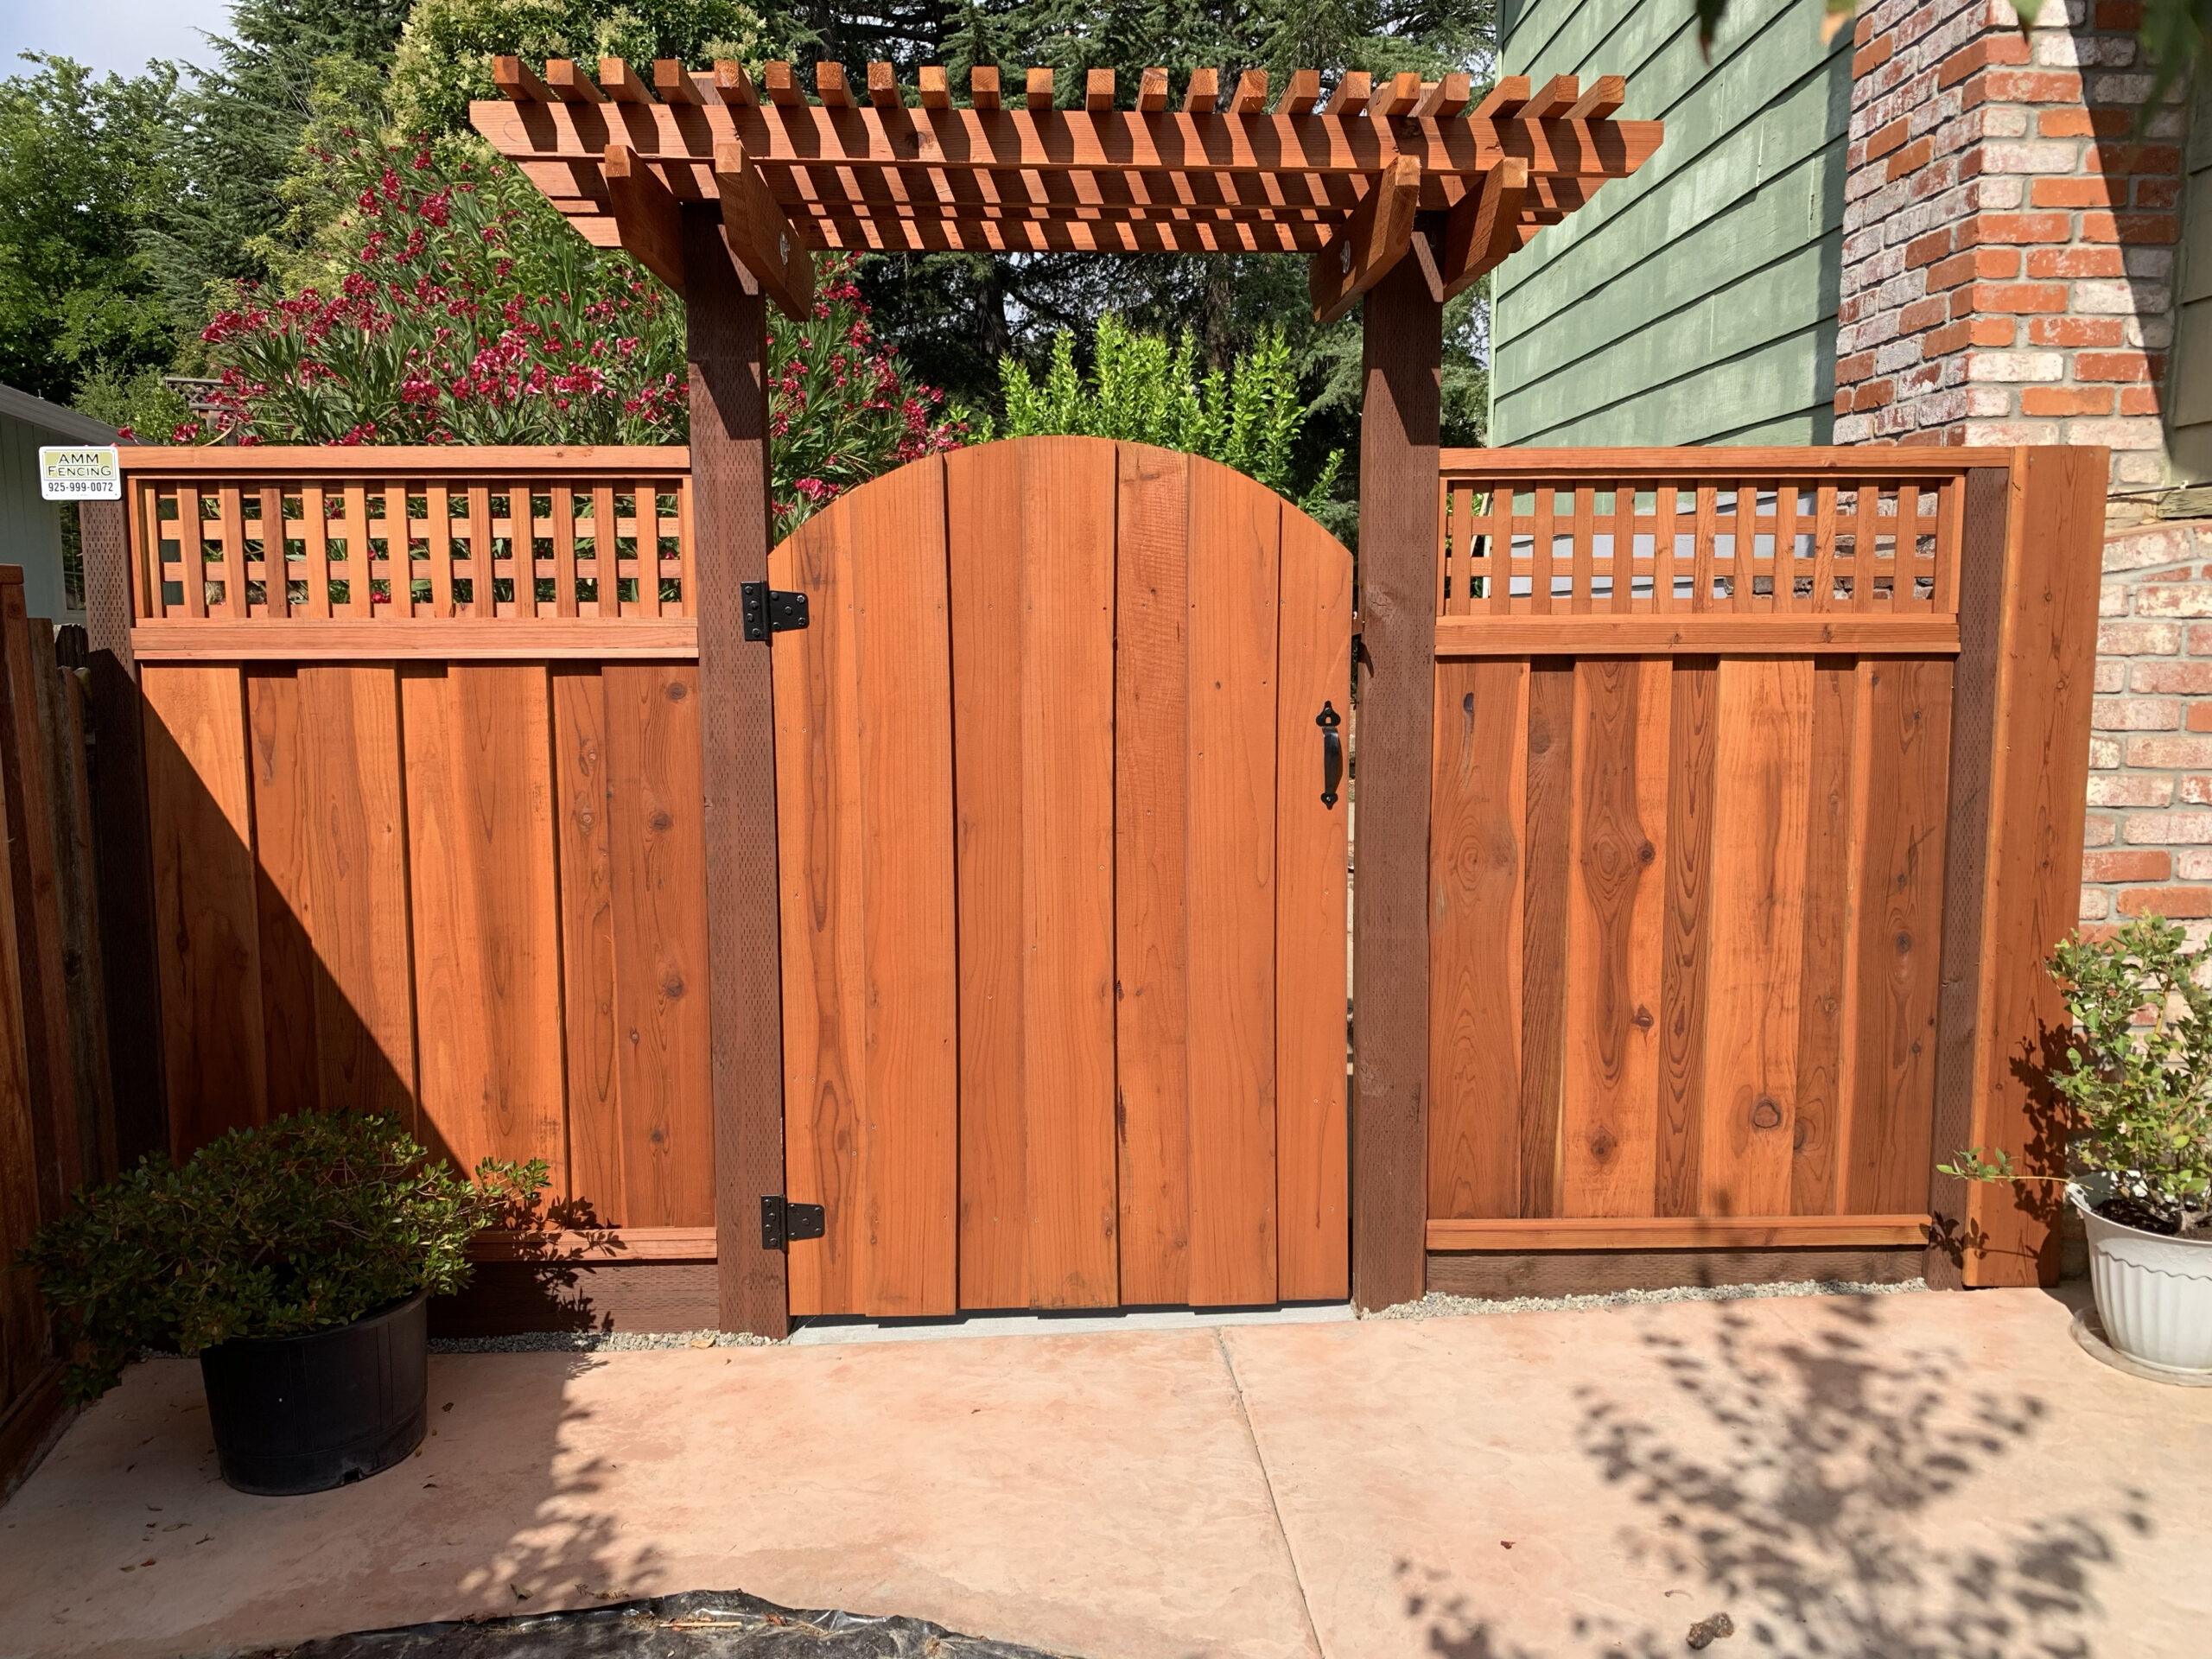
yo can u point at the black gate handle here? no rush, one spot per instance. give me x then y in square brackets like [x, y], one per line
[1332, 753]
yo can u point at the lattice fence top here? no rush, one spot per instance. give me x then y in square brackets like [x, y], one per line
[874, 164]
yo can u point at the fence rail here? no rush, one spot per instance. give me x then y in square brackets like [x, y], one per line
[229, 545]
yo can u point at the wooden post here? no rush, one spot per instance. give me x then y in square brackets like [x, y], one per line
[726, 343]
[123, 840]
[1403, 371]
[2031, 568]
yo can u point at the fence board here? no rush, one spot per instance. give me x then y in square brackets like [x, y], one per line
[1763, 766]
[199, 810]
[278, 742]
[1547, 895]
[1480, 797]
[1831, 890]
[61, 730]
[1310, 963]
[1693, 750]
[583, 805]
[478, 778]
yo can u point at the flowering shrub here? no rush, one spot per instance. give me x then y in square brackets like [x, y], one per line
[469, 312]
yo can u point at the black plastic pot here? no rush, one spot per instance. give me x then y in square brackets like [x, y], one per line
[297, 1414]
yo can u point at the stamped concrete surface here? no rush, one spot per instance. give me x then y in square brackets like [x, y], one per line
[1919, 1475]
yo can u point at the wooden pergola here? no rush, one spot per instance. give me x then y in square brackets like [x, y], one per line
[1404, 192]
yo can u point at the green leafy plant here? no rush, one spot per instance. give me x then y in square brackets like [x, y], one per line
[1145, 390]
[304, 1224]
[2137, 1077]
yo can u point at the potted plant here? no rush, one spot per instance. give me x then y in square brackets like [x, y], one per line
[295, 1260]
[2138, 1078]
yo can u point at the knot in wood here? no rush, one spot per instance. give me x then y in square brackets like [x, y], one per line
[1904, 944]
[663, 821]
[1602, 1143]
[1646, 853]
[676, 691]
[1643, 1019]
[1766, 1114]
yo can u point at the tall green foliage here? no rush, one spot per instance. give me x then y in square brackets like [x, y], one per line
[1142, 389]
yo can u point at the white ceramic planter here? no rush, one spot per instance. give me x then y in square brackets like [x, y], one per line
[2154, 1293]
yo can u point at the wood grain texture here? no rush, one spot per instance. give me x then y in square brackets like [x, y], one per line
[1546, 895]
[1480, 803]
[1826, 1011]
[1763, 767]
[1616, 919]
[724, 345]
[1742, 1232]
[1693, 752]
[1236, 546]
[63, 726]
[1401, 368]
[284, 831]
[583, 805]
[1901, 871]
[484, 910]
[200, 807]
[25, 1343]
[865, 801]
[1151, 859]
[1726, 634]
[1311, 988]
[1498, 1274]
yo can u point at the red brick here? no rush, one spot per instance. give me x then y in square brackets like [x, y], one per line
[2009, 296]
[1926, 250]
[2116, 365]
[2138, 400]
[1990, 48]
[1941, 342]
[1993, 331]
[2066, 400]
[2085, 123]
[2157, 228]
[2126, 16]
[1922, 314]
[1857, 367]
[2076, 262]
[2073, 192]
[1882, 143]
[1914, 157]
[2170, 675]
[1863, 30]
[1875, 394]
[2015, 227]
[2131, 158]
[2076, 331]
[1873, 54]
[2032, 87]
[2158, 195]
[2171, 902]
[2199, 717]
[2126, 864]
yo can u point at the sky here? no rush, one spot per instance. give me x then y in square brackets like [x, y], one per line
[114, 34]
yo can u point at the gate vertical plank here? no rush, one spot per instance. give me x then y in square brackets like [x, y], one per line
[1236, 552]
[1692, 745]
[481, 869]
[1151, 733]
[1764, 766]
[1311, 962]
[284, 833]
[657, 881]
[365, 1011]
[1893, 1115]
[1615, 914]
[200, 812]
[1478, 868]
[584, 803]
[818, 829]
[1545, 899]
[1824, 1007]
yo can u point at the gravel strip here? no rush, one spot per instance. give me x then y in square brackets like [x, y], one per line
[595, 1342]
[1437, 1305]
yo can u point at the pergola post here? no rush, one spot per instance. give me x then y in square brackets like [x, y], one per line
[1402, 358]
[726, 343]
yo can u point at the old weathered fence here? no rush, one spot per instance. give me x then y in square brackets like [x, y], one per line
[1757, 801]
[57, 1122]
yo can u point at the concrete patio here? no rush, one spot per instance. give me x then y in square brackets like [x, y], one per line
[1912, 1474]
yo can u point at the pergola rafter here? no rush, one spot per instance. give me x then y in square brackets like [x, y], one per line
[871, 165]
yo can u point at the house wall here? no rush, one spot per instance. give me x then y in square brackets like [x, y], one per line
[30, 532]
[1695, 301]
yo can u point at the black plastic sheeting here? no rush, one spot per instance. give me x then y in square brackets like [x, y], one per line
[698, 1624]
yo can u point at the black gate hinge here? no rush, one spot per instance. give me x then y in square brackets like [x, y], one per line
[782, 1221]
[770, 610]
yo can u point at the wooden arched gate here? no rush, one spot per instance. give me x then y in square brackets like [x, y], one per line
[1063, 903]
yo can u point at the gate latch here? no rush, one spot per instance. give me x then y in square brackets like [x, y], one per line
[770, 610]
[782, 1221]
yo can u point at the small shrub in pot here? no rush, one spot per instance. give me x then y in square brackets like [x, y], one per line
[294, 1259]
[2139, 1080]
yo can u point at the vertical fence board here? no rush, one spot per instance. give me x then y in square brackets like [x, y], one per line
[583, 805]
[1235, 551]
[279, 741]
[1150, 726]
[1546, 895]
[1693, 750]
[1616, 917]
[1763, 767]
[1823, 1010]
[1478, 860]
[479, 832]
[24, 1329]
[63, 729]
[1311, 982]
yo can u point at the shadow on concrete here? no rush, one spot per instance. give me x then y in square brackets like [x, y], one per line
[1808, 1512]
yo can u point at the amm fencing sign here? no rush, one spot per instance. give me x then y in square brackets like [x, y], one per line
[79, 474]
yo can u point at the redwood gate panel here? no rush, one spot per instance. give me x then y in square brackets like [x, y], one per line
[1064, 963]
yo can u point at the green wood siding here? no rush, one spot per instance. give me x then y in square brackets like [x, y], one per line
[1696, 302]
